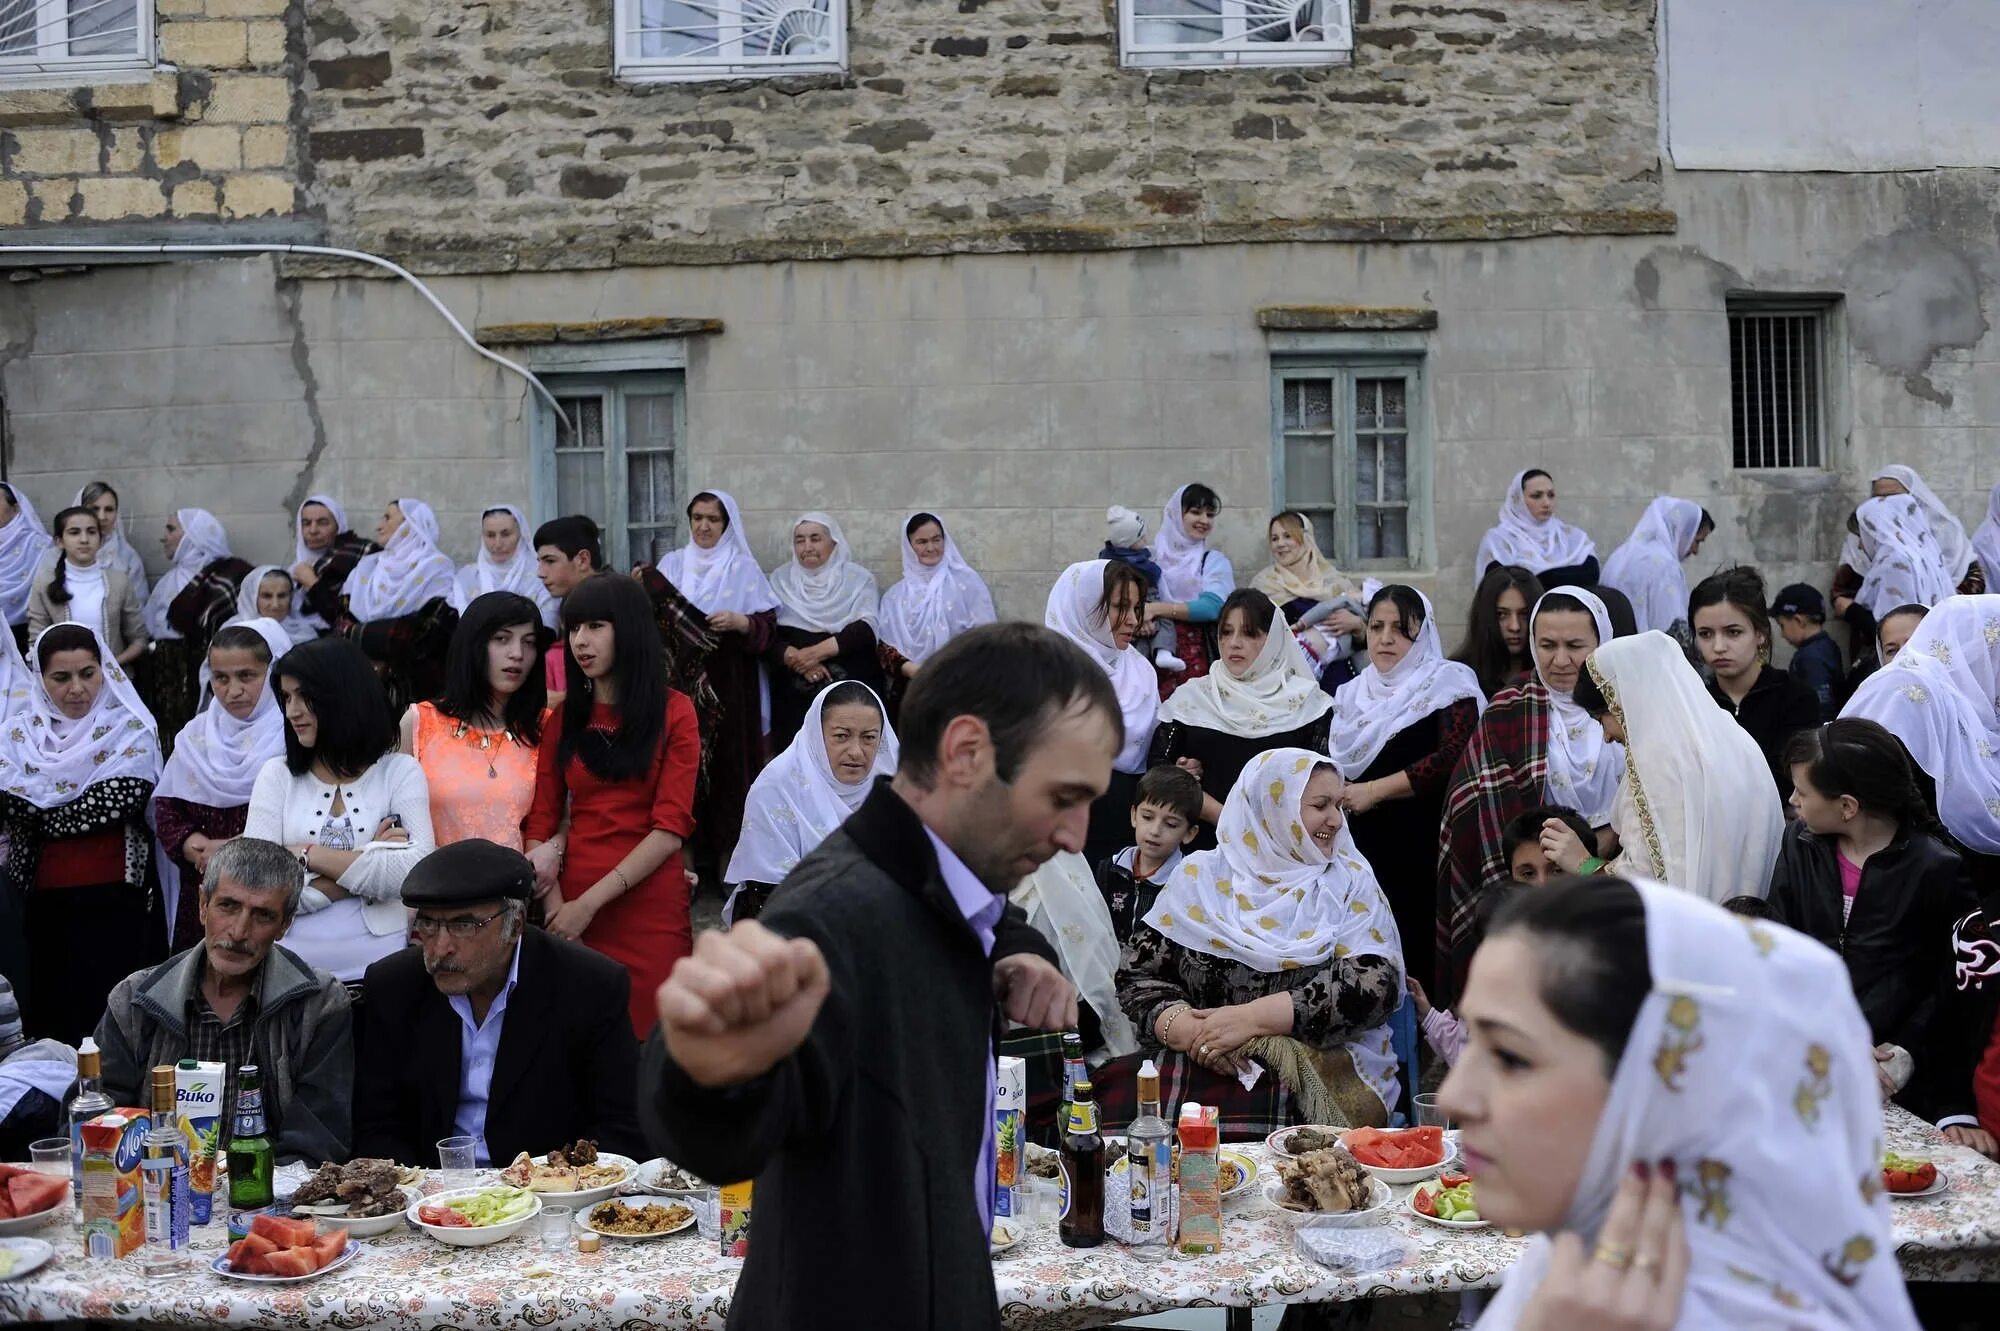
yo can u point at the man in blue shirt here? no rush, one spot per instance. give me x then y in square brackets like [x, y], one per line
[488, 1028]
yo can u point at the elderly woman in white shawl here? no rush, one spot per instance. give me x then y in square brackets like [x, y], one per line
[1695, 806]
[1647, 568]
[23, 542]
[808, 791]
[828, 611]
[400, 598]
[1905, 564]
[1275, 953]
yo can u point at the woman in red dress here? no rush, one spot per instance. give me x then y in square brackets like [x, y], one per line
[623, 760]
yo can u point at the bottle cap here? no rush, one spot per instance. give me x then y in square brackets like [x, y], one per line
[89, 1045]
[1191, 1109]
[1146, 1069]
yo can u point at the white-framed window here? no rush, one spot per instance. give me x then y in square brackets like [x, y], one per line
[1778, 376]
[617, 461]
[664, 40]
[39, 38]
[1352, 452]
[1201, 34]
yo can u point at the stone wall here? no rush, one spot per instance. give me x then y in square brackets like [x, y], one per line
[495, 138]
[207, 137]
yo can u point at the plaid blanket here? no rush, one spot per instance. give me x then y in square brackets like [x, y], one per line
[411, 650]
[1503, 774]
[207, 601]
[685, 635]
[1244, 1116]
[327, 597]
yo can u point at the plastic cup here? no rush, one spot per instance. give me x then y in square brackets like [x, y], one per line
[707, 1214]
[1429, 1113]
[51, 1155]
[457, 1157]
[554, 1224]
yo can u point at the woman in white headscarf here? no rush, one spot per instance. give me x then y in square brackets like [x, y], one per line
[1986, 540]
[1696, 807]
[1529, 535]
[1097, 605]
[1647, 568]
[939, 598]
[193, 599]
[1534, 747]
[324, 554]
[81, 757]
[1963, 572]
[23, 543]
[1195, 579]
[399, 599]
[114, 550]
[1682, 1106]
[1905, 564]
[268, 592]
[204, 793]
[1275, 948]
[506, 563]
[807, 792]
[1062, 901]
[1398, 730]
[828, 612]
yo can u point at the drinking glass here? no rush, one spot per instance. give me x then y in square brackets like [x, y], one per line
[51, 1155]
[555, 1222]
[1430, 1114]
[707, 1214]
[456, 1158]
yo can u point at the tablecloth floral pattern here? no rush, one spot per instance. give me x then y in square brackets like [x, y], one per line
[407, 1282]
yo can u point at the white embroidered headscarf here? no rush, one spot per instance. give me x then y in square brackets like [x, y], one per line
[49, 759]
[1986, 541]
[217, 757]
[1647, 568]
[1072, 611]
[1270, 897]
[797, 801]
[725, 578]
[1584, 767]
[114, 551]
[22, 545]
[931, 606]
[1275, 694]
[1178, 554]
[1905, 564]
[1062, 901]
[486, 574]
[1697, 807]
[1372, 708]
[1945, 526]
[202, 543]
[405, 577]
[828, 598]
[296, 626]
[15, 682]
[1750, 1068]
[1941, 698]
[1535, 546]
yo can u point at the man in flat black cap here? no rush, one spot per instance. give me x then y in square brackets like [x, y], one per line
[488, 1028]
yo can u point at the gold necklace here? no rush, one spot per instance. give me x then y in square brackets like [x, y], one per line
[460, 731]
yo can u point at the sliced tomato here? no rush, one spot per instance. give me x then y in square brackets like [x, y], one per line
[1452, 1178]
[442, 1215]
[1910, 1180]
[1425, 1200]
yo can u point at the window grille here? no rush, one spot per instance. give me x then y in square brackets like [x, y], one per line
[710, 39]
[1225, 33]
[62, 36]
[1776, 406]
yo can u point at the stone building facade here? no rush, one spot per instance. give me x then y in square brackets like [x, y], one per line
[987, 270]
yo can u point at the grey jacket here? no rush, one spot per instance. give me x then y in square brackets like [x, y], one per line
[124, 618]
[304, 1043]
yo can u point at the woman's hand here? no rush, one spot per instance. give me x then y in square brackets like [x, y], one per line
[1563, 847]
[1634, 1279]
[1344, 622]
[1978, 1139]
[1192, 766]
[1225, 1030]
[729, 621]
[909, 669]
[547, 859]
[1418, 996]
[198, 848]
[1840, 604]
[303, 574]
[392, 829]
[571, 918]
[1361, 798]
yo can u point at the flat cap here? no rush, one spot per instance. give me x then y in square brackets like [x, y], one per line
[469, 871]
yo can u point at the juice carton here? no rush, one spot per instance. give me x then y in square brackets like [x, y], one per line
[1010, 1135]
[114, 1209]
[733, 1214]
[1201, 1179]
[198, 1102]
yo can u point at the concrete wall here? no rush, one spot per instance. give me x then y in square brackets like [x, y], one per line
[1019, 394]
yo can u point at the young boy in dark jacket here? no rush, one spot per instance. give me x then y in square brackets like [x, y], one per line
[1801, 614]
[1166, 816]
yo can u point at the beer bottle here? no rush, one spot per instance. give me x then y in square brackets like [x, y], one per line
[1074, 1070]
[1082, 1166]
[250, 1162]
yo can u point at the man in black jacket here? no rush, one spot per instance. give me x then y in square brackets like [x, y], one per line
[839, 1049]
[490, 1029]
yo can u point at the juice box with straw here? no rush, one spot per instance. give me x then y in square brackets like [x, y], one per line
[1010, 1135]
[198, 1102]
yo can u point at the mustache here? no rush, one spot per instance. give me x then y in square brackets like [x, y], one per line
[232, 947]
[443, 967]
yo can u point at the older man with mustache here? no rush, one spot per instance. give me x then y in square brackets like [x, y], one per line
[237, 998]
[490, 1029]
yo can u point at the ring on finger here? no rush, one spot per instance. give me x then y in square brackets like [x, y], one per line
[1646, 1266]
[1613, 1256]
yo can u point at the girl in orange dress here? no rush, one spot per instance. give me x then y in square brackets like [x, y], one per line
[624, 757]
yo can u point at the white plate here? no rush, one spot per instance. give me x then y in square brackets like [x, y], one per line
[1396, 1178]
[368, 1226]
[648, 1178]
[583, 1219]
[1244, 1164]
[221, 1267]
[459, 1236]
[1006, 1233]
[33, 1252]
[28, 1224]
[1372, 1214]
[589, 1196]
[1411, 1202]
[1938, 1185]
[1275, 1140]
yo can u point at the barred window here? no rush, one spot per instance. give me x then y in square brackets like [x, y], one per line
[615, 461]
[1226, 33]
[44, 37]
[1777, 408]
[664, 40]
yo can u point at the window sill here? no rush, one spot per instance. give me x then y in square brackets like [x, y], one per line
[1172, 62]
[819, 74]
[80, 77]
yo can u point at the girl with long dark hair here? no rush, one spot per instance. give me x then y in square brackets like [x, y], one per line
[1732, 629]
[624, 759]
[1496, 634]
[79, 587]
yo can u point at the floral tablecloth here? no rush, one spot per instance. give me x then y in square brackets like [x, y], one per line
[408, 1282]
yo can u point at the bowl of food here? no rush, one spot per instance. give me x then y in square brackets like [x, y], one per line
[1327, 1185]
[637, 1220]
[1447, 1200]
[664, 1178]
[1286, 1143]
[576, 1174]
[475, 1217]
[366, 1197]
[1398, 1155]
[29, 1199]
[1907, 1177]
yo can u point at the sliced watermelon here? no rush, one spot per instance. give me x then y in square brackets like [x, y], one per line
[329, 1246]
[6, 1205]
[293, 1262]
[1402, 1148]
[258, 1264]
[282, 1232]
[259, 1245]
[8, 1171]
[31, 1193]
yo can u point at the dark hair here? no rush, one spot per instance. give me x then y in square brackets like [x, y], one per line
[1255, 605]
[1590, 934]
[58, 590]
[919, 519]
[1752, 908]
[12, 497]
[1483, 648]
[467, 690]
[487, 513]
[1530, 475]
[1198, 498]
[242, 638]
[1172, 788]
[1617, 609]
[1741, 587]
[639, 665]
[65, 638]
[1409, 607]
[1907, 608]
[1589, 693]
[851, 693]
[95, 491]
[1118, 573]
[1862, 758]
[712, 498]
[355, 727]
[572, 535]
[1524, 828]
[1707, 523]
[1020, 679]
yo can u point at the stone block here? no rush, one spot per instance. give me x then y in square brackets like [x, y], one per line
[106, 200]
[13, 203]
[366, 145]
[195, 198]
[36, 106]
[56, 199]
[128, 151]
[204, 43]
[266, 41]
[208, 147]
[266, 146]
[352, 72]
[169, 9]
[257, 195]
[249, 99]
[247, 8]
[54, 152]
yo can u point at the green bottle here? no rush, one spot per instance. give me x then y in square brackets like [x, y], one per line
[250, 1160]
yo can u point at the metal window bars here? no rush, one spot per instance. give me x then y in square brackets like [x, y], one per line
[1775, 406]
[1226, 33]
[47, 36]
[706, 39]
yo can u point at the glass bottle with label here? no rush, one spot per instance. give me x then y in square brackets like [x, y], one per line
[163, 1174]
[250, 1158]
[90, 1101]
[1149, 1169]
[1082, 1165]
